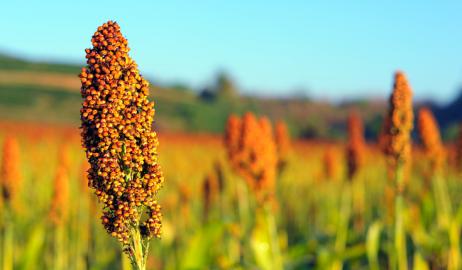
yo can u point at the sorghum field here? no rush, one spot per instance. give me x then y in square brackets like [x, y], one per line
[118, 192]
[318, 218]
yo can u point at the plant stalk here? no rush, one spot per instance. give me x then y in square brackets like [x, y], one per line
[400, 235]
[343, 224]
[273, 234]
[8, 242]
[138, 250]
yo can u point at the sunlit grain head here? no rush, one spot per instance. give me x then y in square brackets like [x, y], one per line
[253, 155]
[210, 192]
[398, 124]
[232, 136]
[356, 144]
[11, 177]
[116, 126]
[458, 148]
[282, 139]
[331, 163]
[429, 134]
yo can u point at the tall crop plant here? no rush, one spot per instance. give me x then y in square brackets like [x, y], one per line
[121, 148]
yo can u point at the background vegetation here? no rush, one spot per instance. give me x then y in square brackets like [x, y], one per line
[49, 92]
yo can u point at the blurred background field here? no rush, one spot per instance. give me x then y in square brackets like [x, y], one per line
[308, 209]
[308, 66]
[48, 93]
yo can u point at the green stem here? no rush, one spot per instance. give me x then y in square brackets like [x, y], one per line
[272, 232]
[243, 201]
[244, 210]
[454, 253]
[372, 244]
[59, 248]
[400, 235]
[8, 243]
[138, 250]
[342, 229]
[442, 201]
[443, 204]
[126, 262]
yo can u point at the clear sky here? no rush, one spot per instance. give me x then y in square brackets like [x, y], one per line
[332, 49]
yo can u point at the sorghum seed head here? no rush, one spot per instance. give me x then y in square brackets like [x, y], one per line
[398, 124]
[210, 192]
[268, 153]
[331, 163]
[458, 148]
[253, 153]
[232, 135]
[430, 137]
[11, 173]
[116, 127]
[356, 144]
[282, 139]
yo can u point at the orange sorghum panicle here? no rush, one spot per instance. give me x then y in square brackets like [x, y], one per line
[431, 140]
[268, 154]
[356, 144]
[218, 172]
[247, 155]
[458, 148]
[282, 138]
[232, 133]
[383, 137]
[116, 134]
[330, 163]
[60, 200]
[210, 192]
[396, 140]
[254, 154]
[11, 173]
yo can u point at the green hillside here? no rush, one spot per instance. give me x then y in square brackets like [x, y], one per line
[48, 92]
[13, 63]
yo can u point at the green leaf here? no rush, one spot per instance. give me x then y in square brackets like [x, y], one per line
[33, 248]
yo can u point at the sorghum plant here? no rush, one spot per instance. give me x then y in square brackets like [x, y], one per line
[331, 166]
[11, 173]
[210, 193]
[120, 145]
[434, 150]
[282, 139]
[231, 140]
[252, 153]
[458, 149]
[10, 188]
[431, 140]
[356, 144]
[399, 123]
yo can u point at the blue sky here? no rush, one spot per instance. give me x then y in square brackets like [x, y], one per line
[331, 49]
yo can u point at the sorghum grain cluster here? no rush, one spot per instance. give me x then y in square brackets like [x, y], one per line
[356, 144]
[431, 140]
[252, 152]
[116, 127]
[398, 124]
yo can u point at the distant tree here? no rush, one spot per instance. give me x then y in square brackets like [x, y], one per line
[225, 86]
[300, 93]
[207, 95]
